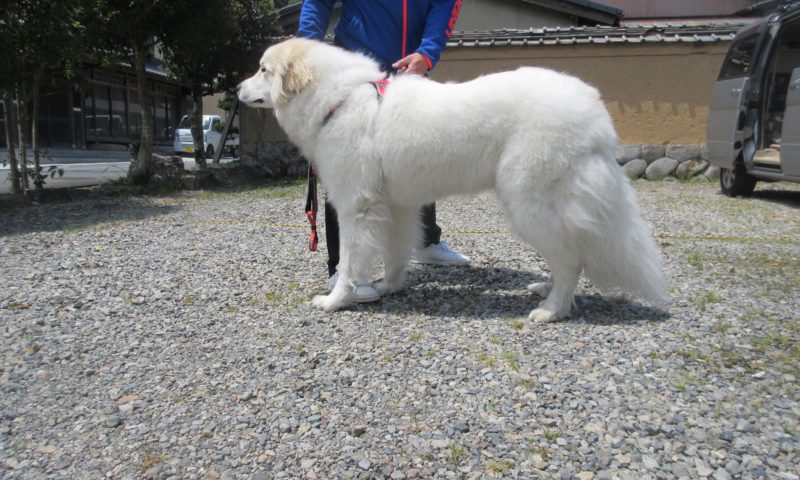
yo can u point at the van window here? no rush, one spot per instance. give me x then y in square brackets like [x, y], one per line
[741, 53]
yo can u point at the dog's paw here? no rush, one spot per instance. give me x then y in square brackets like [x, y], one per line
[325, 302]
[542, 288]
[542, 315]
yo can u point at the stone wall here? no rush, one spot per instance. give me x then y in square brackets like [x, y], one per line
[274, 159]
[264, 145]
[656, 162]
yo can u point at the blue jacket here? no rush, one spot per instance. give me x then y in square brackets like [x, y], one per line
[378, 27]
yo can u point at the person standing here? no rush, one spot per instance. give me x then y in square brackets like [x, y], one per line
[404, 36]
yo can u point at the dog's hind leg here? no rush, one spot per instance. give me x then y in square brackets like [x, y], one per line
[559, 301]
[401, 234]
[540, 288]
[544, 230]
[565, 267]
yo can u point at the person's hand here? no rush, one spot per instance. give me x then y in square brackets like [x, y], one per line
[414, 63]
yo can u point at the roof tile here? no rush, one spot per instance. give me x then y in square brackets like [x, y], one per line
[661, 33]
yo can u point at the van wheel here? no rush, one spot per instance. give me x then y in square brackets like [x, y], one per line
[736, 182]
[209, 152]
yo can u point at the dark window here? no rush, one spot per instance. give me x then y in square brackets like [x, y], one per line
[2, 124]
[162, 121]
[88, 108]
[119, 125]
[54, 118]
[102, 112]
[134, 115]
[740, 55]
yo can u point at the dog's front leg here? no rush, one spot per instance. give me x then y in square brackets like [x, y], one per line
[358, 232]
[402, 232]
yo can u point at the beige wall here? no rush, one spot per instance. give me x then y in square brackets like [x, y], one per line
[498, 14]
[678, 8]
[656, 93]
[211, 105]
[258, 125]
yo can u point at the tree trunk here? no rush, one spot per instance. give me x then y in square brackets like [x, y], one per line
[196, 121]
[37, 179]
[8, 123]
[142, 164]
[22, 129]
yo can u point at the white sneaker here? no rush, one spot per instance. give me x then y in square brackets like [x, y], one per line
[365, 293]
[439, 254]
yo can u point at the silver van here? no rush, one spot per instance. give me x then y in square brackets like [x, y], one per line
[754, 118]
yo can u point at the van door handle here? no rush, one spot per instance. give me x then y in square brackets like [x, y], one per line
[736, 92]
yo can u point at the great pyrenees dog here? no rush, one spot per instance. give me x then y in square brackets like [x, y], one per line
[542, 140]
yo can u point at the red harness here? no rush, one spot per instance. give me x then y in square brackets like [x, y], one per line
[380, 87]
[311, 197]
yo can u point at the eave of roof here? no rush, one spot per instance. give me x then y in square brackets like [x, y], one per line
[583, 8]
[156, 68]
[586, 9]
[657, 33]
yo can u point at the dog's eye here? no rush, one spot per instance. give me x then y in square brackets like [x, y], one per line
[263, 69]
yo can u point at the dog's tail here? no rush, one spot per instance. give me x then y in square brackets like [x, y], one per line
[621, 252]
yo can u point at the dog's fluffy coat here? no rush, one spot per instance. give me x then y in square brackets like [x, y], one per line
[542, 140]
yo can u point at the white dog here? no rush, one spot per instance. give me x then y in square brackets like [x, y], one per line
[542, 140]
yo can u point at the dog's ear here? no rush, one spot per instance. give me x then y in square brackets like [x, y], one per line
[291, 74]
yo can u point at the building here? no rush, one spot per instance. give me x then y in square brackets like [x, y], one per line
[654, 62]
[104, 110]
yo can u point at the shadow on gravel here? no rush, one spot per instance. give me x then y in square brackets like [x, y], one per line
[609, 309]
[787, 198]
[76, 216]
[486, 292]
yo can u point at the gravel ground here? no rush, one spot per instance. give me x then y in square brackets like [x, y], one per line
[172, 337]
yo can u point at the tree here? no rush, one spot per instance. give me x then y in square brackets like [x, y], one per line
[225, 41]
[8, 81]
[283, 3]
[128, 30]
[45, 40]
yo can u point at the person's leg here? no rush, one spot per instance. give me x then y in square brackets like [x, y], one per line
[433, 250]
[431, 233]
[332, 237]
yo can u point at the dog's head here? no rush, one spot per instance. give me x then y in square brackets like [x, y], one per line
[283, 72]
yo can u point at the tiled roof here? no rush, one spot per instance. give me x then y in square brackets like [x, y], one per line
[656, 33]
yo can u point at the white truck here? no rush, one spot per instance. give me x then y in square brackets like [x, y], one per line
[212, 132]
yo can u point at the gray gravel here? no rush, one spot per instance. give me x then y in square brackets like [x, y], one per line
[172, 337]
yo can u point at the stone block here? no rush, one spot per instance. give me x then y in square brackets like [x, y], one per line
[166, 172]
[651, 153]
[690, 168]
[635, 168]
[712, 173]
[682, 153]
[660, 168]
[626, 153]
